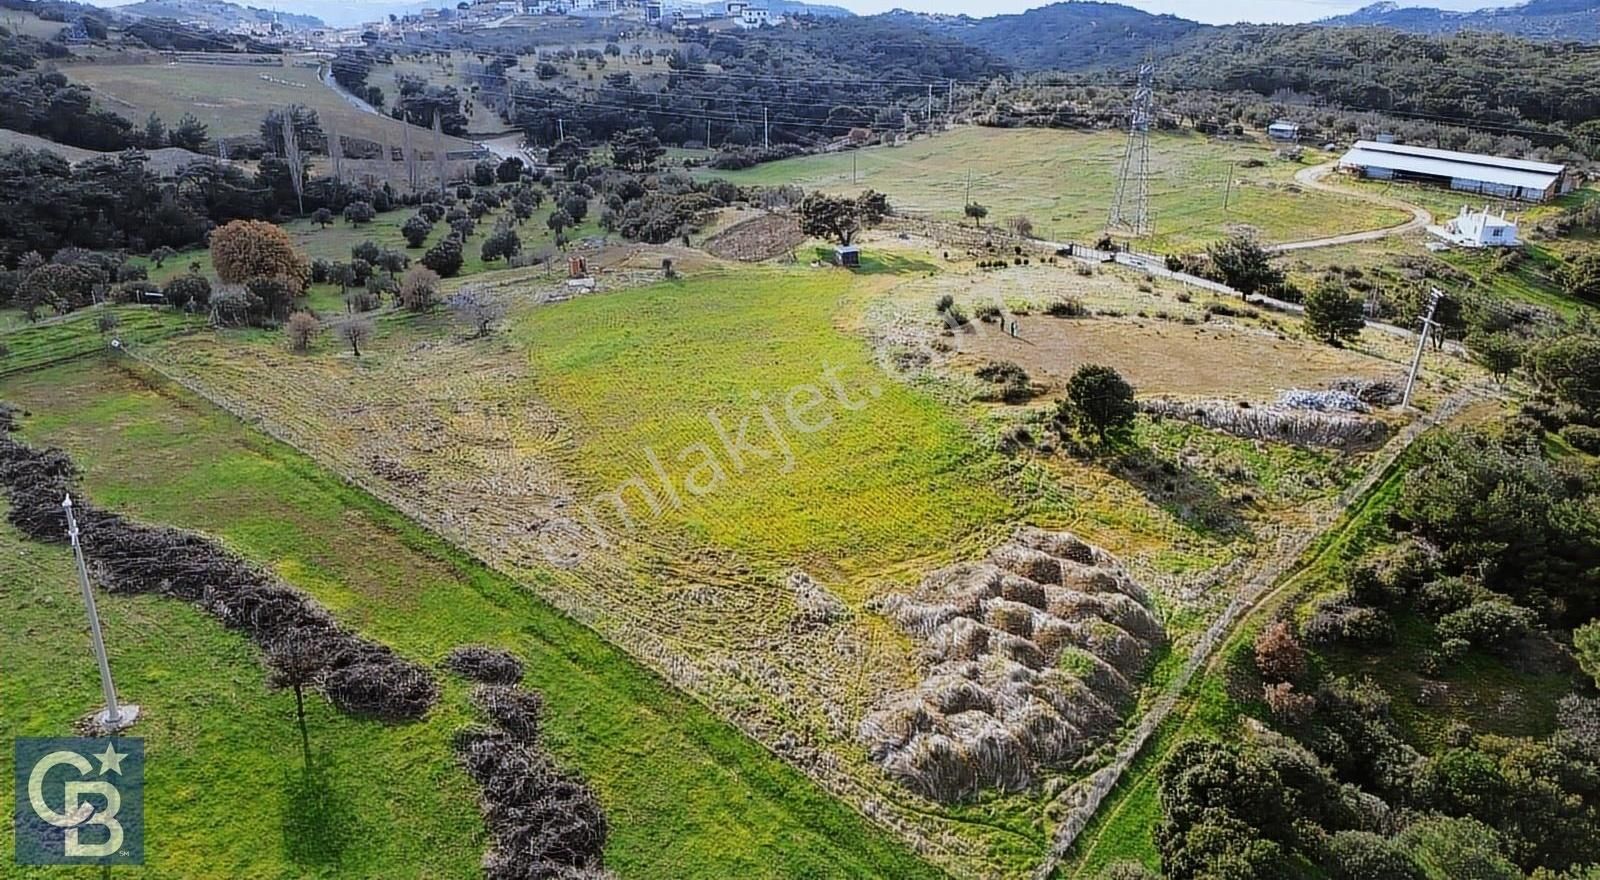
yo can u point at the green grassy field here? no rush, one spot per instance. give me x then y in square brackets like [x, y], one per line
[686, 794]
[233, 100]
[895, 479]
[29, 346]
[1064, 182]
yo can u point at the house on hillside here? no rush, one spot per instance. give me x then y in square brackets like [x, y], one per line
[756, 16]
[1283, 130]
[1478, 229]
[1494, 176]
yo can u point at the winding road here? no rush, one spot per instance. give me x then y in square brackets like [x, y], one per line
[1312, 178]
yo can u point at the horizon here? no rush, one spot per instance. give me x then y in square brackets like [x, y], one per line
[1241, 11]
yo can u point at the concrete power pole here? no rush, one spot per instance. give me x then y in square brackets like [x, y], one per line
[766, 130]
[1422, 340]
[114, 716]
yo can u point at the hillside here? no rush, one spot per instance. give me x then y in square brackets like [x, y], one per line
[1061, 36]
[1538, 19]
[219, 14]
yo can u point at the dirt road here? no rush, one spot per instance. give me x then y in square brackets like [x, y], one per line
[1312, 178]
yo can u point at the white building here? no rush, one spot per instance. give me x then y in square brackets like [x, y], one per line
[1283, 130]
[756, 16]
[1478, 229]
[1494, 176]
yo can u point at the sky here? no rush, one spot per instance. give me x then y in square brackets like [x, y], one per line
[1209, 11]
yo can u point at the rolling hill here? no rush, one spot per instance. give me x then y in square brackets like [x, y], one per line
[1061, 36]
[1537, 19]
[218, 14]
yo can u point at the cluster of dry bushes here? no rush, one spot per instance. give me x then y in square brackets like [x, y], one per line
[546, 824]
[359, 676]
[1033, 654]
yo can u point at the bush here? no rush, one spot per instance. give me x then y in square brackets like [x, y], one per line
[444, 258]
[1012, 379]
[1066, 308]
[301, 329]
[184, 291]
[1488, 623]
[416, 229]
[367, 251]
[484, 664]
[357, 213]
[502, 242]
[419, 289]
[1583, 438]
[1279, 656]
[1362, 855]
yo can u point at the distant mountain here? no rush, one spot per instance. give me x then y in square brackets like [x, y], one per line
[1062, 36]
[1536, 19]
[217, 14]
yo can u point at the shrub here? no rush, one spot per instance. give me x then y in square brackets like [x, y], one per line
[484, 664]
[415, 230]
[301, 329]
[444, 258]
[1287, 704]
[987, 313]
[357, 213]
[1279, 656]
[1066, 308]
[419, 289]
[1362, 855]
[944, 303]
[502, 242]
[1012, 379]
[1486, 623]
[367, 251]
[1583, 438]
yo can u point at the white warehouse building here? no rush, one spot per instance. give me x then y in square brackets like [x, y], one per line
[1465, 172]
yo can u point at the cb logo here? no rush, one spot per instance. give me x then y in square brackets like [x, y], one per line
[80, 801]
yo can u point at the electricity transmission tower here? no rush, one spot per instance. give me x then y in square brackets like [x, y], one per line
[1130, 207]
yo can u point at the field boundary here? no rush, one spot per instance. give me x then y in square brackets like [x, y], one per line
[858, 797]
[1093, 791]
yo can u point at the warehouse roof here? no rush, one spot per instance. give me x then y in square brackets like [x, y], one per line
[1449, 163]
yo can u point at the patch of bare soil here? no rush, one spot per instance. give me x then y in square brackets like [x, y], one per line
[752, 241]
[1164, 357]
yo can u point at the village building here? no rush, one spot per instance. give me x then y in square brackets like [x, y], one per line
[1494, 176]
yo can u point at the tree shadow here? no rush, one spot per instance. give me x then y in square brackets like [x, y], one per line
[1196, 499]
[319, 819]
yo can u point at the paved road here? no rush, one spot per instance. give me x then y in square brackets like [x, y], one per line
[1311, 178]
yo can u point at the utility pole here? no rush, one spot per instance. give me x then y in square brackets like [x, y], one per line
[1228, 190]
[766, 131]
[853, 154]
[1130, 207]
[561, 129]
[930, 103]
[969, 190]
[113, 717]
[708, 132]
[1422, 340]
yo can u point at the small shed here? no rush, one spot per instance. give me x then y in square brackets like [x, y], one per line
[848, 256]
[1284, 130]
